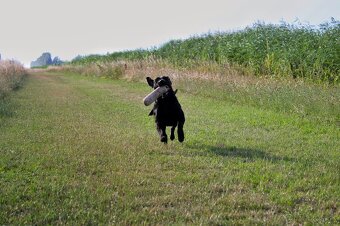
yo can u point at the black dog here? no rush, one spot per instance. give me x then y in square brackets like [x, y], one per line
[167, 110]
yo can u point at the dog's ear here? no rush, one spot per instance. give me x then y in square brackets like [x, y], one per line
[150, 81]
[168, 79]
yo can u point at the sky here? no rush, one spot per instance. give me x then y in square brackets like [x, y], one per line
[67, 28]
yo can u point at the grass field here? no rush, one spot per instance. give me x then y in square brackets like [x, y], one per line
[82, 150]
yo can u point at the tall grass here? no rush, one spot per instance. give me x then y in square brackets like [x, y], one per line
[11, 76]
[276, 50]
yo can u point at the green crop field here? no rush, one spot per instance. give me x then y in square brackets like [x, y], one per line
[275, 50]
[82, 151]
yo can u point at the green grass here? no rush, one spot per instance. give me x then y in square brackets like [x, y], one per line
[82, 150]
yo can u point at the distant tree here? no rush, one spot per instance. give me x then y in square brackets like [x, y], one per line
[79, 57]
[45, 60]
[56, 61]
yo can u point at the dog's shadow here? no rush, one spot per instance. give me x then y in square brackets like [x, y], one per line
[247, 154]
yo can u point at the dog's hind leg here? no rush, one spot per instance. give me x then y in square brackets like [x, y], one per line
[162, 133]
[172, 136]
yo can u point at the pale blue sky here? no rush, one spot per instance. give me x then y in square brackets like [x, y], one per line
[67, 28]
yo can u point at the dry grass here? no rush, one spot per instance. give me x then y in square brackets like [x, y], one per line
[11, 76]
[112, 70]
[137, 70]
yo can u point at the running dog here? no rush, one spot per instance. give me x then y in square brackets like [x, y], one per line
[167, 110]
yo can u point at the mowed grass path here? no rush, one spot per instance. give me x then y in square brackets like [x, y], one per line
[81, 150]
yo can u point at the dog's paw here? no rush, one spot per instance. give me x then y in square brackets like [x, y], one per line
[180, 136]
[172, 137]
[164, 139]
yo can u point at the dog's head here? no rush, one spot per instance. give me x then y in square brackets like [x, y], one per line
[159, 82]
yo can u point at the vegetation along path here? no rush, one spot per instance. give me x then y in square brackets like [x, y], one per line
[83, 150]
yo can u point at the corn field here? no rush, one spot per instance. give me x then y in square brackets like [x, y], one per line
[275, 50]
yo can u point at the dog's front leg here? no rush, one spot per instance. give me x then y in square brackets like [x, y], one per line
[172, 136]
[180, 132]
[162, 133]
